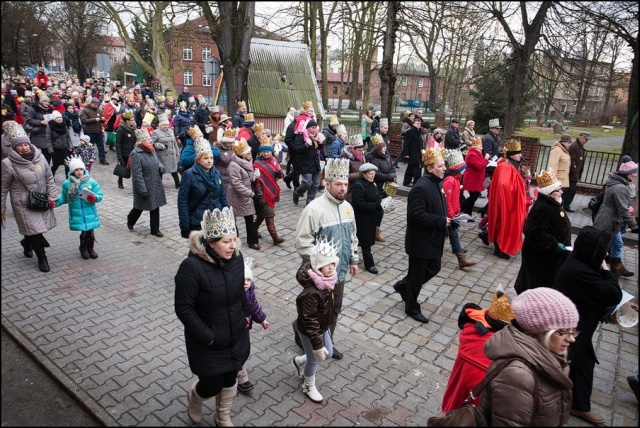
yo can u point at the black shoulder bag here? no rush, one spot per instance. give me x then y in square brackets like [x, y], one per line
[36, 201]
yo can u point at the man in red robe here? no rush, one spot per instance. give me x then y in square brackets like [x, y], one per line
[507, 204]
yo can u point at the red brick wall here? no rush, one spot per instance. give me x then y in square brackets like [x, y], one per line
[395, 142]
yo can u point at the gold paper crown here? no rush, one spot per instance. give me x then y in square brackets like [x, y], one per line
[242, 104]
[201, 145]
[453, 157]
[513, 145]
[183, 104]
[258, 128]
[476, 142]
[431, 156]
[128, 114]
[546, 179]
[194, 132]
[356, 140]
[241, 147]
[218, 223]
[160, 99]
[500, 308]
[265, 141]
[307, 105]
[142, 135]
[377, 139]
[230, 133]
[248, 117]
[334, 121]
[336, 169]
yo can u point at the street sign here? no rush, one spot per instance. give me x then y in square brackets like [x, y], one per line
[103, 63]
[30, 72]
[212, 67]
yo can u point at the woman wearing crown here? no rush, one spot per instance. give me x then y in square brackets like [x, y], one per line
[266, 187]
[211, 303]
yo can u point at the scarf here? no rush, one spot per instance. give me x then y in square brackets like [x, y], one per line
[268, 171]
[210, 179]
[323, 282]
[75, 184]
[356, 154]
[58, 128]
[72, 120]
[146, 146]
[131, 129]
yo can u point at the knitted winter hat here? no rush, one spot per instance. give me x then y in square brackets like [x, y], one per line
[311, 123]
[627, 166]
[55, 114]
[74, 162]
[542, 309]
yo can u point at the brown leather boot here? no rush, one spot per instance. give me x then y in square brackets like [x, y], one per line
[618, 268]
[258, 222]
[462, 261]
[271, 227]
[379, 237]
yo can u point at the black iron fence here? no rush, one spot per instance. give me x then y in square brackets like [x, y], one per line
[597, 165]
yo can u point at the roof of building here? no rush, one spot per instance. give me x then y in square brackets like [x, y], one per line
[271, 61]
[113, 41]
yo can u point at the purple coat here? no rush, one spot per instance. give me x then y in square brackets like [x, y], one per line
[255, 309]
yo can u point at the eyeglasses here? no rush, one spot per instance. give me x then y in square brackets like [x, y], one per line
[567, 333]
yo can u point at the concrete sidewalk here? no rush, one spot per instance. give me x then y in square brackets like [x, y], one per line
[107, 328]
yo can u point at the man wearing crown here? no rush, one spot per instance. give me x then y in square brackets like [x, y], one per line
[507, 204]
[331, 218]
[238, 118]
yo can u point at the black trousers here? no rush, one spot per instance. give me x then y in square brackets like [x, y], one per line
[208, 387]
[568, 193]
[154, 218]
[583, 362]
[59, 155]
[367, 257]
[412, 174]
[420, 271]
[469, 203]
[252, 230]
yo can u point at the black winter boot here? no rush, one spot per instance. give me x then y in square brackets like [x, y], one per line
[84, 252]
[28, 252]
[91, 240]
[43, 263]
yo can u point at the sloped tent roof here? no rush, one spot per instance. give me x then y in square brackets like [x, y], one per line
[268, 95]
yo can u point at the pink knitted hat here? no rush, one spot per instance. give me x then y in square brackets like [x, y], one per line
[629, 167]
[542, 309]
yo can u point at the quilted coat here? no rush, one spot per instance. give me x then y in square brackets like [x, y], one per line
[83, 215]
[240, 192]
[166, 148]
[35, 174]
[192, 189]
[211, 303]
[315, 307]
[145, 176]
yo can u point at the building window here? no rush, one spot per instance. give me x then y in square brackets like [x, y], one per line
[188, 77]
[206, 52]
[421, 83]
[121, 50]
[404, 81]
[563, 109]
[346, 91]
[377, 78]
[567, 88]
[335, 90]
[206, 79]
[187, 53]
[113, 50]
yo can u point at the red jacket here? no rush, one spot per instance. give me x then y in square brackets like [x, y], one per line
[244, 133]
[451, 187]
[42, 80]
[474, 175]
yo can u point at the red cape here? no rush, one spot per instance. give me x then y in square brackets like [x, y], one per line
[507, 208]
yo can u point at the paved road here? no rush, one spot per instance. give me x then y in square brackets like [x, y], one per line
[108, 330]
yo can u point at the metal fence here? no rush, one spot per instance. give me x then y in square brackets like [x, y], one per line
[597, 165]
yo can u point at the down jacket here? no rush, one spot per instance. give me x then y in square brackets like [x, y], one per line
[146, 178]
[211, 303]
[240, 192]
[512, 390]
[83, 215]
[35, 174]
[473, 178]
[192, 190]
[315, 308]
[34, 117]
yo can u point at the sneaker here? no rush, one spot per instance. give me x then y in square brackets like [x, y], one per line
[245, 387]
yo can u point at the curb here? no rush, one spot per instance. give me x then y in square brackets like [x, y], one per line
[58, 375]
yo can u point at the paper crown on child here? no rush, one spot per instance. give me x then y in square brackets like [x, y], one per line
[431, 156]
[336, 169]
[218, 223]
[454, 159]
[341, 129]
[201, 145]
[266, 144]
[307, 106]
[258, 128]
[248, 265]
[513, 147]
[74, 162]
[384, 121]
[356, 141]
[476, 142]
[229, 135]
[194, 132]
[500, 308]
[377, 139]
[241, 147]
[13, 130]
[128, 114]
[324, 253]
[142, 135]
[547, 182]
[242, 104]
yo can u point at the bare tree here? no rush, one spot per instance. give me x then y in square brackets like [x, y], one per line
[26, 37]
[387, 76]
[325, 28]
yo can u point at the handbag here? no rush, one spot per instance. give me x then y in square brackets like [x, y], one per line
[30, 128]
[37, 201]
[122, 171]
[469, 415]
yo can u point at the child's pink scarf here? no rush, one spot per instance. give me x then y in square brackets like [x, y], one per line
[323, 282]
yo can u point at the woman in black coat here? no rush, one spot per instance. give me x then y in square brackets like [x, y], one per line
[211, 303]
[587, 281]
[386, 173]
[413, 149]
[366, 204]
[547, 233]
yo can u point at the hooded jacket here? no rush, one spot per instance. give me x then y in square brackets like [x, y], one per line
[615, 205]
[315, 307]
[508, 398]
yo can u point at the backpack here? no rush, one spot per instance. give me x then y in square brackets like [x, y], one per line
[595, 203]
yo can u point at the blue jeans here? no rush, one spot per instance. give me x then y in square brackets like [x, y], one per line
[309, 183]
[98, 140]
[312, 362]
[615, 250]
[453, 239]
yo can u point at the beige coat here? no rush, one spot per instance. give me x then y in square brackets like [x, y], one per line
[560, 162]
[37, 176]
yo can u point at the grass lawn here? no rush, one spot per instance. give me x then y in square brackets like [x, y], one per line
[544, 133]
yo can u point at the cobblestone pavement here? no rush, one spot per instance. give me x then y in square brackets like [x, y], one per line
[107, 330]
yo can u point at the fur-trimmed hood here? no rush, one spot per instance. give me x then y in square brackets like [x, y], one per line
[197, 246]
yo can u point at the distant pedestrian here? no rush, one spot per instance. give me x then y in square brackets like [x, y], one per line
[452, 137]
[577, 153]
[164, 141]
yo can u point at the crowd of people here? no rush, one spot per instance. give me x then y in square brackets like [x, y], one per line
[227, 167]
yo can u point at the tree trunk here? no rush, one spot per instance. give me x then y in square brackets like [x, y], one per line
[323, 58]
[387, 76]
[355, 71]
[630, 143]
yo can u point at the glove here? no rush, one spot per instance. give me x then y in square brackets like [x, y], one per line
[144, 195]
[392, 176]
[52, 205]
[185, 233]
[91, 198]
[321, 354]
[265, 324]
[559, 248]
[248, 325]
[634, 230]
